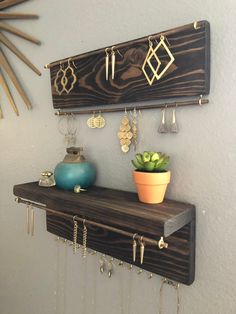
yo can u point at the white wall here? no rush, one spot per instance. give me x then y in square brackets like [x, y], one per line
[42, 277]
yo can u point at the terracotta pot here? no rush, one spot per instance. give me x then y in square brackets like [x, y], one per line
[151, 186]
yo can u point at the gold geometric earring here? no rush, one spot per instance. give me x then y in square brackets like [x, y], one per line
[67, 73]
[58, 79]
[113, 62]
[152, 53]
[107, 63]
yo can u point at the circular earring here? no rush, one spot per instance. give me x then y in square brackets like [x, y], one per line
[99, 121]
[91, 122]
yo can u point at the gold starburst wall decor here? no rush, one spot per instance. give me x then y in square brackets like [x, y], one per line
[5, 67]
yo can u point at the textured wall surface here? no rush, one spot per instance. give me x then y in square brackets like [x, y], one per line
[40, 276]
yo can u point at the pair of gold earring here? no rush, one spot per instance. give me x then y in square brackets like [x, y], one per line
[156, 71]
[63, 81]
[142, 248]
[75, 237]
[96, 122]
[30, 220]
[173, 128]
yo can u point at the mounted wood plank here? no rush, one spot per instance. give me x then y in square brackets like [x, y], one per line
[6, 42]
[8, 69]
[9, 3]
[122, 210]
[189, 74]
[13, 30]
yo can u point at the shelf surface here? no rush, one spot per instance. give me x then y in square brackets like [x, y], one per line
[113, 207]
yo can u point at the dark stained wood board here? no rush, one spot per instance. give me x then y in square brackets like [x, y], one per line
[122, 210]
[188, 76]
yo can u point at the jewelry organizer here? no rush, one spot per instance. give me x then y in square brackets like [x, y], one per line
[112, 217]
[188, 75]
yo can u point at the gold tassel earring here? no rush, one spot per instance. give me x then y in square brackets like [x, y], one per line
[85, 236]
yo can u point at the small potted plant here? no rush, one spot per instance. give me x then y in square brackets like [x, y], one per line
[150, 176]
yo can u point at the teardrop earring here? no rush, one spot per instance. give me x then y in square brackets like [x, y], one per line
[163, 127]
[174, 126]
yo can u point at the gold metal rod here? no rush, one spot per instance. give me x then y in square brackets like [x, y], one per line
[7, 91]
[130, 108]
[89, 222]
[124, 44]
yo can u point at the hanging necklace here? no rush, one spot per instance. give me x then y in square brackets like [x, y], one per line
[176, 286]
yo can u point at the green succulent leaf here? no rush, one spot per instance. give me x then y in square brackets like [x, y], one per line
[139, 158]
[149, 166]
[155, 157]
[137, 165]
[146, 157]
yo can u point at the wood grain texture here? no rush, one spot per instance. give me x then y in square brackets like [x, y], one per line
[113, 207]
[176, 262]
[122, 209]
[189, 75]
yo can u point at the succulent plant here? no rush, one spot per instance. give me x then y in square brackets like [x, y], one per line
[151, 162]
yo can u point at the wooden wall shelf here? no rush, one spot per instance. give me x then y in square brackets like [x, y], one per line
[175, 221]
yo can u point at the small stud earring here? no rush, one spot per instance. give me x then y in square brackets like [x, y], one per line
[163, 127]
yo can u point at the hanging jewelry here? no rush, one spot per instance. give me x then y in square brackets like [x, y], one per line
[67, 127]
[59, 88]
[163, 127]
[125, 135]
[134, 129]
[85, 236]
[102, 262]
[142, 249]
[99, 121]
[174, 126]
[134, 247]
[176, 286]
[90, 122]
[67, 74]
[110, 268]
[30, 223]
[107, 63]
[152, 53]
[113, 62]
[75, 235]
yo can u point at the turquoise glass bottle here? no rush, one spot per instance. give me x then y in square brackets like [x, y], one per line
[74, 170]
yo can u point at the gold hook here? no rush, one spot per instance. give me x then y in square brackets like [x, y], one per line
[106, 51]
[195, 25]
[149, 41]
[200, 100]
